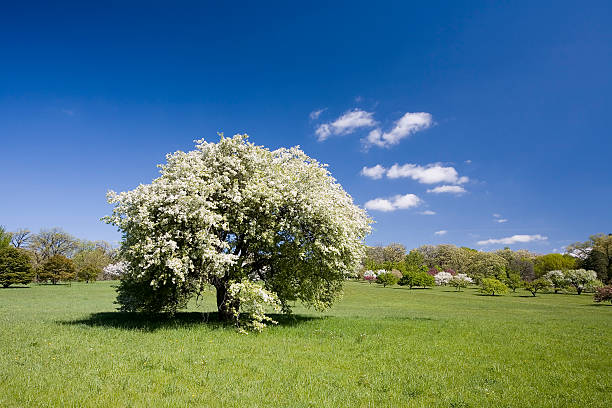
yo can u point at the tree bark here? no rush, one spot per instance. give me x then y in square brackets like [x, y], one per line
[225, 305]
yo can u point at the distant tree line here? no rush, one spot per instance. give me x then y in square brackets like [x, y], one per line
[585, 266]
[51, 255]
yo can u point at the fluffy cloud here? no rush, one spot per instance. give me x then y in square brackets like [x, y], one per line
[375, 172]
[447, 189]
[441, 232]
[427, 212]
[430, 174]
[515, 239]
[345, 124]
[408, 124]
[501, 220]
[316, 113]
[398, 202]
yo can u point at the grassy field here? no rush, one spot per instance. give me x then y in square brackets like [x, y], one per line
[65, 346]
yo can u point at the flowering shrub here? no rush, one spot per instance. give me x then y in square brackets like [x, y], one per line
[370, 276]
[433, 271]
[603, 294]
[451, 271]
[442, 278]
[115, 270]
[460, 280]
[252, 300]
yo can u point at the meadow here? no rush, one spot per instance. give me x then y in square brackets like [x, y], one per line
[65, 345]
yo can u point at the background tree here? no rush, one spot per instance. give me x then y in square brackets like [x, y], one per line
[51, 242]
[580, 278]
[21, 238]
[513, 281]
[537, 285]
[15, 267]
[57, 268]
[487, 265]
[5, 237]
[387, 279]
[232, 211]
[557, 279]
[519, 262]
[553, 262]
[91, 258]
[595, 254]
[492, 286]
[460, 281]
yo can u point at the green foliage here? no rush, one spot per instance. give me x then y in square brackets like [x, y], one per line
[418, 278]
[90, 262]
[57, 268]
[513, 281]
[492, 286]
[553, 262]
[15, 267]
[486, 265]
[537, 285]
[5, 237]
[387, 279]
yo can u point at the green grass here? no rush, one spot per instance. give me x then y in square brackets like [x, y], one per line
[65, 346]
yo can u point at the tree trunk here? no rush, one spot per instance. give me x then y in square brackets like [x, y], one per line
[225, 306]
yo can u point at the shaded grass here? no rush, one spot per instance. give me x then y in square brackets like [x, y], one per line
[66, 346]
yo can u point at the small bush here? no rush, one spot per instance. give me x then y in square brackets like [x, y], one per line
[492, 286]
[603, 294]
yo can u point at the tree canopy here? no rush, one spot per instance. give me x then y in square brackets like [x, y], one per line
[229, 212]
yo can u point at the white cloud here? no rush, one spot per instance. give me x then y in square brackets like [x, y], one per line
[501, 220]
[408, 124]
[468, 161]
[497, 215]
[430, 174]
[441, 232]
[345, 124]
[398, 202]
[316, 113]
[513, 239]
[447, 189]
[375, 172]
[427, 212]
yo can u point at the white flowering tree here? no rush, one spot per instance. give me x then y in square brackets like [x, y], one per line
[581, 279]
[442, 278]
[115, 270]
[461, 280]
[232, 212]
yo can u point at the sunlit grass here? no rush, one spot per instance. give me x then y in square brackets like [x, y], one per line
[65, 346]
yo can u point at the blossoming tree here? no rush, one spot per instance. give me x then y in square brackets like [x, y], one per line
[231, 212]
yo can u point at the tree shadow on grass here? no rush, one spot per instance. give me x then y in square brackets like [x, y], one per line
[155, 321]
[14, 287]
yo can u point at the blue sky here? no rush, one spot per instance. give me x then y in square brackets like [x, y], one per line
[509, 101]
